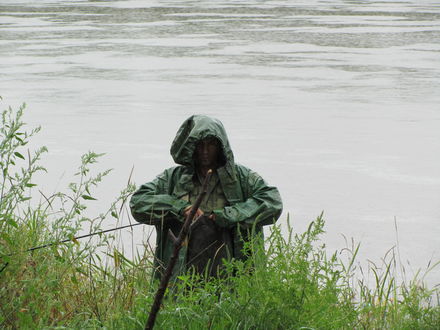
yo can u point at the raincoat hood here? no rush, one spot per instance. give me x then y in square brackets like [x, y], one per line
[194, 129]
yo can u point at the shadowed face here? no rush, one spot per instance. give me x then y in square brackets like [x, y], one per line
[207, 151]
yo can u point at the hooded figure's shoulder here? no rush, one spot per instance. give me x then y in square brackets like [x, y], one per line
[247, 175]
[174, 173]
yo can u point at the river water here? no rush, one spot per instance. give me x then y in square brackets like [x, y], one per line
[337, 103]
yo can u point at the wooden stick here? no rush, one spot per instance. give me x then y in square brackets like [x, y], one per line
[177, 246]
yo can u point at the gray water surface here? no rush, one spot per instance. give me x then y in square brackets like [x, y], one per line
[335, 102]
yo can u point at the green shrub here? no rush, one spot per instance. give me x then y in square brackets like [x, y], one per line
[290, 282]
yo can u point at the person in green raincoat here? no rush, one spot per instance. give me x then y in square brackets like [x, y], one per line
[237, 205]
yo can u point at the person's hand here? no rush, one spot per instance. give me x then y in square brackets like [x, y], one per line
[212, 217]
[187, 210]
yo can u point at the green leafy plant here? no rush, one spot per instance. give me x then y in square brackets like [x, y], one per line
[290, 281]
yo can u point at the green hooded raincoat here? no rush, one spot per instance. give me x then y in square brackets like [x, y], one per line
[251, 203]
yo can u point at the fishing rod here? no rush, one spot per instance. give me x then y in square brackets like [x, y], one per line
[71, 240]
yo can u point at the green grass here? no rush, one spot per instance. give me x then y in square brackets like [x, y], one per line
[291, 283]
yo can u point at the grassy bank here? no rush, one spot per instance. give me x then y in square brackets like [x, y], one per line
[293, 283]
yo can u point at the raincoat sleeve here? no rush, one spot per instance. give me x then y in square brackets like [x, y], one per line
[262, 205]
[152, 203]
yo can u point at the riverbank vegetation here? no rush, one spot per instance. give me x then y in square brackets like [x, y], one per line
[292, 283]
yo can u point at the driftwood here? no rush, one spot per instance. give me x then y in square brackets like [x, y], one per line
[177, 246]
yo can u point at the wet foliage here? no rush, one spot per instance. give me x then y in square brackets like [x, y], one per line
[290, 281]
